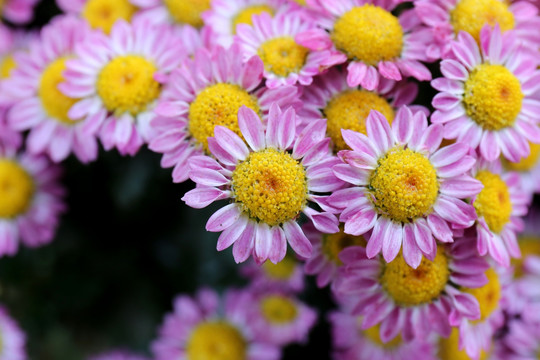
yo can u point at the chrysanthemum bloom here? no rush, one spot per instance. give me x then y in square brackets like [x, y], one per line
[177, 12]
[285, 61]
[206, 327]
[528, 169]
[403, 188]
[325, 261]
[449, 349]
[269, 185]
[351, 342]
[499, 206]
[345, 107]
[12, 338]
[30, 200]
[376, 42]
[208, 91]
[118, 355]
[18, 11]
[446, 18]
[287, 275]
[485, 95]
[39, 105]
[412, 302]
[119, 80]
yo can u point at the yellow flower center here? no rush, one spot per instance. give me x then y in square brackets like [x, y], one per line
[373, 334]
[471, 15]
[187, 11]
[412, 287]
[278, 309]
[369, 34]
[488, 296]
[530, 246]
[333, 244]
[270, 186]
[55, 103]
[282, 56]
[246, 15]
[526, 163]
[218, 105]
[404, 186]
[216, 340]
[16, 189]
[301, 2]
[492, 96]
[493, 203]
[449, 348]
[126, 84]
[103, 14]
[6, 66]
[283, 270]
[349, 110]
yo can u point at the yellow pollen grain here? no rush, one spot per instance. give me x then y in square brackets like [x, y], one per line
[218, 105]
[488, 296]
[349, 110]
[448, 348]
[16, 189]
[103, 14]
[333, 244]
[7, 64]
[282, 56]
[187, 11]
[413, 287]
[283, 270]
[278, 309]
[126, 84]
[471, 16]
[54, 102]
[245, 16]
[373, 334]
[369, 34]
[216, 340]
[270, 186]
[527, 163]
[404, 185]
[529, 246]
[492, 96]
[493, 203]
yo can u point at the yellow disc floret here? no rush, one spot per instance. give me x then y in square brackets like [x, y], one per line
[126, 84]
[217, 340]
[283, 270]
[278, 309]
[492, 96]
[412, 287]
[103, 14]
[493, 203]
[55, 103]
[270, 186]
[526, 163]
[246, 15]
[187, 11]
[16, 189]
[488, 296]
[369, 34]
[373, 334]
[404, 185]
[282, 56]
[349, 110]
[333, 244]
[471, 15]
[218, 105]
[449, 348]
[7, 64]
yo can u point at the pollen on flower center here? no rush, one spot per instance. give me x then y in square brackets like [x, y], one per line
[493, 203]
[55, 103]
[283, 270]
[246, 15]
[404, 186]
[527, 163]
[412, 287]
[187, 11]
[349, 110]
[492, 96]
[369, 34]
[282, 56]
[278, 309]
[103, 14]
[270, 186]
[333, 244]
[471, 15]
[16, 189]
[488, 296]
[126, 84]
[6, 66]
[216, 340]
[218, 105]
[373, 334]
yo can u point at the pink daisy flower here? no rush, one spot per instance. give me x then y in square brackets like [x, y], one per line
[13, 338]
[374, 41]
[404, 188]
[411, 302]
[211, 328]
[176, 12]
[18, 11]
[287, 275]
[119, 80]
[208, 91]
[269, 185]
[30, 200]
[485, 95]
[39, 104]
[118, 355]
[285, 61]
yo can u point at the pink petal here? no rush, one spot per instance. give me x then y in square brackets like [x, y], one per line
[232, 233]
[296, 238]
[223, 218]
[251, 127]
[392, 240]
[411, 251]
[231, 143]
[279, 245]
